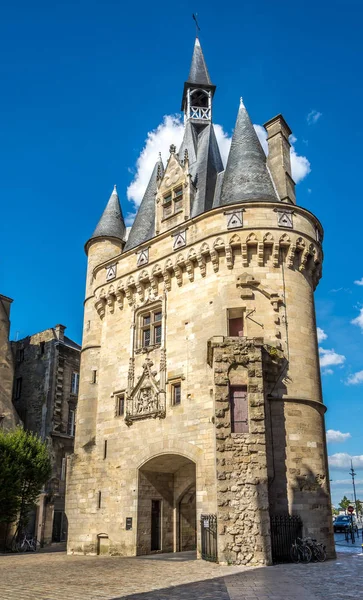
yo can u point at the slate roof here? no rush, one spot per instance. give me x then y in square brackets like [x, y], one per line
[143, 228]
[204, 163]
[198, 69]
[111, 224]
[246, 176]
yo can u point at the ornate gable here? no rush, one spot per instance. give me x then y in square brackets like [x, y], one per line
[173, 199]
[146, 398]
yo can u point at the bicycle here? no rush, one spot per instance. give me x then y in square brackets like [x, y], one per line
[300, 551]
[27, 544]
[317, 549]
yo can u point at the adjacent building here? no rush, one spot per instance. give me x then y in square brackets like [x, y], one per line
[8, 417]
[45, 392]
[200, 400]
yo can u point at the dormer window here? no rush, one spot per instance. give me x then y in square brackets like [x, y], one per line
[173, 202]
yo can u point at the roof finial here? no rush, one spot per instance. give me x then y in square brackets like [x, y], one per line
[241, 103]
[197, 28]
[172, 149]
[159, 155]
[115, 188]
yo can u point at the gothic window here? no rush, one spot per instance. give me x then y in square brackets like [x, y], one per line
[120, 404]
[176, 393]
[239, 409]
[150, 327]
[173, 202]
[74, 383]
[71, 425]
[235, 322]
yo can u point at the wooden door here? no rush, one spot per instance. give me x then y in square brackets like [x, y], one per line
[239, 409]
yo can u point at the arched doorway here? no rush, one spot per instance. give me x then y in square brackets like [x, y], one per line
[166, 515]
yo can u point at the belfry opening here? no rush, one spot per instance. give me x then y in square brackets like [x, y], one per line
[166, 515]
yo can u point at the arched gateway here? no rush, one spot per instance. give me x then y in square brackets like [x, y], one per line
[166, 514]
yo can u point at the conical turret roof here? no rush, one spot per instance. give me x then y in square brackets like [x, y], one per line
[111, 224]
[246, 176]
[143, 228]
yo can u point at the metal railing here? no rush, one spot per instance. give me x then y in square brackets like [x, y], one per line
[285, 529]
[208, 525]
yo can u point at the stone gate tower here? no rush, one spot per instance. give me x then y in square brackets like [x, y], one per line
[200, 389]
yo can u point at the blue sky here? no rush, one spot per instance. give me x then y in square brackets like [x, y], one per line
[82, 85]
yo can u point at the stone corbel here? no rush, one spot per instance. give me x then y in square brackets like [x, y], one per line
[304, 259]
[229, 257]
[201, 264]
[140, 290]
[276, 255]
[167, 279]
[111, 301]
[291, 256]
[178, 275]
[244, 255]
[260, 254]
[100, 306]
[215, 259]
[129, 295]
[190, 269]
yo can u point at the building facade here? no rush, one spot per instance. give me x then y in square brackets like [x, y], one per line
[8, 417]
[45, 392]
[200, 388]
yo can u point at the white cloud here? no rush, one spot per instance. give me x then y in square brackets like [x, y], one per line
[327, 372]
[359, 282]
[313, 117]
[321, 334]
[224, 142]
[300, 166]
[342, 460]
[355, 379]
[337, 436]
[330, 358]
[359, 320]
[170, 131]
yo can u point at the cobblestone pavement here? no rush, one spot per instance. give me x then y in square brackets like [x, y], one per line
[53, 576]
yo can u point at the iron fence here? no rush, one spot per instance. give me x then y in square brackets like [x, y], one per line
[208, 525]
[284, 531]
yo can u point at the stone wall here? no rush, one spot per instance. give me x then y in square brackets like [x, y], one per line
[242, 475]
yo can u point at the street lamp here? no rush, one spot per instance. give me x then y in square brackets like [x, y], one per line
[353, 474]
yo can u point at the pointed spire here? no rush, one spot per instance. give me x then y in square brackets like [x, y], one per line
[198, 75]
[198, 69]
[143, 228]
[246, 176]
[111, 224]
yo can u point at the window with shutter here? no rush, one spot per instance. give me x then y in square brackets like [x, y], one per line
[239, 409]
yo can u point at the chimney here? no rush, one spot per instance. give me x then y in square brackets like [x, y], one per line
[59, 332]
[278, 159]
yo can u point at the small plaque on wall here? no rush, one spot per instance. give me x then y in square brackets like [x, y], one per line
[128, 522]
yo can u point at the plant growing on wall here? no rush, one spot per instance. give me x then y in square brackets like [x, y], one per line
[24, 468]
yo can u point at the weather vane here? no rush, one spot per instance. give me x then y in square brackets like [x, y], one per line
[196, 23]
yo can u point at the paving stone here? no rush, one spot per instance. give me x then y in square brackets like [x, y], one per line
[56, 576]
